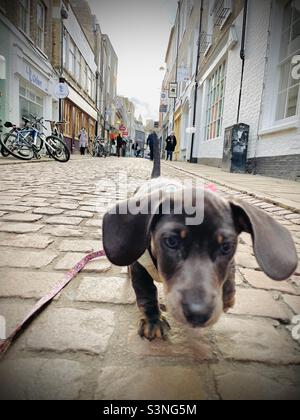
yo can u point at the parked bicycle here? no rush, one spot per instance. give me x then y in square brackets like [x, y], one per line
[57, 128]
[100, 148]
[26, 143]
[2, 151]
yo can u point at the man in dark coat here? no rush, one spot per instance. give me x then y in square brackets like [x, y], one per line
[151, 143]
[171, 145]
[120, 143]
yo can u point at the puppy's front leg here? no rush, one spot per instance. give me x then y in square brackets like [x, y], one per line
[153, 324]
[229, 289]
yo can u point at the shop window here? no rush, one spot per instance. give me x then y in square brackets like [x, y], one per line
[30, 102]
[40, 25]
[92, 129]
[215, 103]
[24, 15]
[78, 122]
[288, 93]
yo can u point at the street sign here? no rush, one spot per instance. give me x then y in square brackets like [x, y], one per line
[173, 90]
[122, 127]
[125, 133]
[61, 90]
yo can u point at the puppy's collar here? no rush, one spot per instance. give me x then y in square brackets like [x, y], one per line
[146, 261]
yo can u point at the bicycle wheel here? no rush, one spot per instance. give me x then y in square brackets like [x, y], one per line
[3, 152]
[17, 147]
[57, 149]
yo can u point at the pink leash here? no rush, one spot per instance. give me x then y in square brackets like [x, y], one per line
[5, 344]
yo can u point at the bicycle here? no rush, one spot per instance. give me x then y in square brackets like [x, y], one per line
[26, 143]
[57, 129]
[2, 151]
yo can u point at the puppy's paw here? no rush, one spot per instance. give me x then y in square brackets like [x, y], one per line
[152, 329]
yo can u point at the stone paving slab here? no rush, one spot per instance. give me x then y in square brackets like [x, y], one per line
[25, 241]
[258, 340]
[71, 330]
[154, 383]
[41, 379]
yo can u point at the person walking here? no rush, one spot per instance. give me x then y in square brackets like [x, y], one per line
[151, 143]
[119, 145]
[82, 141]
[171, 145]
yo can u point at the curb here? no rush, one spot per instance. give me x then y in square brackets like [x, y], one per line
[241, 190]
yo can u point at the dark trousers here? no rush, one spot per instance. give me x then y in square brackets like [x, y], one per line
[119, 151]
[151, 153]
[170, 154]
[82, 151]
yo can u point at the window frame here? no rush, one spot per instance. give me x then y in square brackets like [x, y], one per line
[215, 100]
[24, 12]
[282, 62]
[41, 30]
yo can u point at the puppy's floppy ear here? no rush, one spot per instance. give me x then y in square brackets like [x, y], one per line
[126, 235]
[273, 245]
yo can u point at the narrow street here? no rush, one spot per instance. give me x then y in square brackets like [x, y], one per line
[84, 345]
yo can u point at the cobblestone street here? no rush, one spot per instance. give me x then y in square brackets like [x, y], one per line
[84, 345]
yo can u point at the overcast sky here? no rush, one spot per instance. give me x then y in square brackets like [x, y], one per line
[139, 31]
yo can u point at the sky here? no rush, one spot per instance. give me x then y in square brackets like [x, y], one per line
[139, 31]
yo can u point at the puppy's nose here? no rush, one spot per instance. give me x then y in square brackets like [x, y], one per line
[196, 314]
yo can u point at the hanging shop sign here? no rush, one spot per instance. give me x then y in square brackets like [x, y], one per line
[61, 90]
[173, 88]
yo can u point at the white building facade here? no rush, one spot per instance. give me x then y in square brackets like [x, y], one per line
[29, 79]
[270, 99]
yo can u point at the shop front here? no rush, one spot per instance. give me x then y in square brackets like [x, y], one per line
[76, 119]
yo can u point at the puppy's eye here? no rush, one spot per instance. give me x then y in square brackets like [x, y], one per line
[226, 248]
[172, 241]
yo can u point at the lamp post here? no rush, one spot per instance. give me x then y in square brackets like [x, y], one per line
[63, 16]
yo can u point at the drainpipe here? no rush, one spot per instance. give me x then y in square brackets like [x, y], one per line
[176, 64]
[243, 57]
[192, 160]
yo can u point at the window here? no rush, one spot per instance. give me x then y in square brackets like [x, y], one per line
[65, 49]
[89, 83]
[85, 78]
[30, 102]
[78, 66]
[215, 103]
[221, 10]
[24, 8]
[71, 57]
[288, 94]
[40, 22]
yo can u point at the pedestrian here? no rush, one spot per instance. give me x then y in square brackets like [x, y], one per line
[151, 143]
[82, 141]
[171, 145]
[119, 145]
